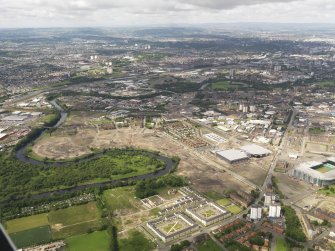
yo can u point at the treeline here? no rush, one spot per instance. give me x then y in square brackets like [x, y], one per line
[293, 226]
[147, 188]
[18, 178]
[179, 86]
[36, 132]
[52, 96]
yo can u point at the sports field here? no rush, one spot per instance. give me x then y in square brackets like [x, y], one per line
[74, 220]
[234, 209]
[26, 223]
[280, 245]
[97, 241]
[32, 236]
[325, 168]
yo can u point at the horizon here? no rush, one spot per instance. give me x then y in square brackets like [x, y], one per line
[129, 13]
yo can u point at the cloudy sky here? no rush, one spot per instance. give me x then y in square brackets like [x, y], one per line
[74, 13]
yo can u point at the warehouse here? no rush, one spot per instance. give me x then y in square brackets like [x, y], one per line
[255, 151]
[232, 155]
[316, 172]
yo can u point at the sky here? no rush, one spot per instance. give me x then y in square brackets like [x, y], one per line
[110, 13]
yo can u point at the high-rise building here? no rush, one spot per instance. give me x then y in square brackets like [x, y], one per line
[256, 212]
[274, 211]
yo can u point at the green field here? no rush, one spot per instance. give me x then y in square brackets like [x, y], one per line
[173, 227]
[234, 209]
[136, 241]
[75, 214]
[209, 245]
[326, 83]
[223, 202]
[121, 198]
[74, 220]
[281, 245]
[26, 223]
[214, 195]
[32, 236]
[97, 241]
[208, 213]
[328, 190]
[223, 85]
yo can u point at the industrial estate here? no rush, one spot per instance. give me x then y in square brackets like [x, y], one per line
[167, 139]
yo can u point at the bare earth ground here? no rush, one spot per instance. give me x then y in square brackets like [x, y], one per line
[202, 176]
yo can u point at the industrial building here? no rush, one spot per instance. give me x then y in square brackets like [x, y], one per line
[256, 212]
[316, 172]
[172, 227]
[232, 155]
[255, 151]
[208, 213]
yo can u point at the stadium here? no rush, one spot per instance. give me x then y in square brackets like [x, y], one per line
[316, 173]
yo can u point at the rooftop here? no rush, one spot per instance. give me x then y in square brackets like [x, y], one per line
[232, 154]
[254, 149]
[318, 169]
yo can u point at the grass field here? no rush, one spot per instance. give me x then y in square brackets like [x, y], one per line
[75, 214]
[75, 229]
[223, 85]
[136, 241]
[97, 241]
[281, 245]
[208, 213]
[26, 223]
[121, 198]
[223, 202]
[74, 220]
[209, 245]
[32, 236]
[173, 227]
[328, 190]
[214, 195]
[234, 209]
[326, 83]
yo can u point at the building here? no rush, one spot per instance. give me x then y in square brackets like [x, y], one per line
[269, 198]
[308, 228]
[316, 172]
[232, 155]
[14, 118]
[232, 73]
[256, 212]
[274, 211]
[256, 151]
[207, 213]
[172, 227]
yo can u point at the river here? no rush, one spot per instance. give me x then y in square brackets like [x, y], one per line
[21, 155]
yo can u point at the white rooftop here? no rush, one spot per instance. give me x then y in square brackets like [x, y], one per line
[232, 154]
[254, 149]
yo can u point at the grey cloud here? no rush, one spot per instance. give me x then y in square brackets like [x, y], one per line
[230, 4]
